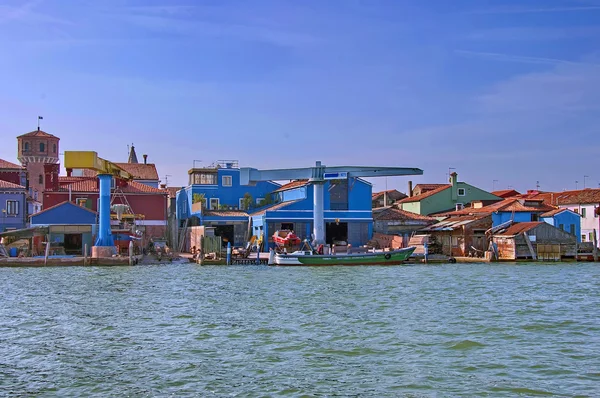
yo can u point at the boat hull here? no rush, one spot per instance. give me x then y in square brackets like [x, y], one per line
[397, 257]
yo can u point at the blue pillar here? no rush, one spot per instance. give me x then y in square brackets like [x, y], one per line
[228, 253]
[105, 237]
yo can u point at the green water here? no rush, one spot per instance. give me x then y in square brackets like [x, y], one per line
[254, 331]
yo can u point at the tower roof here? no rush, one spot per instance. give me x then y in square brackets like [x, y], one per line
[38, 133]
[132, 155]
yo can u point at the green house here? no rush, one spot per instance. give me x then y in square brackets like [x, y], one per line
[455, 195]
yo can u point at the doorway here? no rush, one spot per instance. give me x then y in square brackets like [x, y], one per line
[226, 232]
[73, 244]
[336, 232]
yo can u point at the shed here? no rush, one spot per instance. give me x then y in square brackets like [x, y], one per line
[533, 240]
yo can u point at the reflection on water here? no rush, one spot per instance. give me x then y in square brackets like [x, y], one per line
[186, 330]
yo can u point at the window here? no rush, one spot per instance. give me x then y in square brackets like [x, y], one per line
[12, 207]
[258, 200]
[226, 181]
[573, 229]
[561, 227]
[81, 202]
[591, 236]
[535, 217]
[41, 179]
[576, 211]
[204, 179]
[583, 212]
[42, 147]
[583, 237]
[287, 225]
[461, 192]
[214, 203]
[455, 241]
[53, 148]
[26, 147]
[338, 195]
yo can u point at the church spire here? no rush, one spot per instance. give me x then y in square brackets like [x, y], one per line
[132, 155]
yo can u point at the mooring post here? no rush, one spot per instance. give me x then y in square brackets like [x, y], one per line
[47, 252]
[595, 245]
[426, 251]
[228, 253]
[85, 254]
[130, 252]
[258, 254]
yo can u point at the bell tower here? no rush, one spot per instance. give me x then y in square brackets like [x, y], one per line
[36, 149]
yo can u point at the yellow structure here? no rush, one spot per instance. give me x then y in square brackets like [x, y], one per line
[89, 160]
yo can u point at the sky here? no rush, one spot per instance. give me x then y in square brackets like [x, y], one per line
[506, 93]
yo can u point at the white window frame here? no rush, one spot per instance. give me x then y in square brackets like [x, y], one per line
[258, 200]
[79, 200]
[210, 202]
[15, 212]
[230, 178]
[464, 192]
[241, 204]
[583, 212]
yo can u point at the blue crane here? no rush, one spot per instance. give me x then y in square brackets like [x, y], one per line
[317, 176]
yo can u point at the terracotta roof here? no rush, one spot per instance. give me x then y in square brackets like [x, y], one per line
[428, 187]
[506, 205]
[225, 213]
[90, 185]
[37, 133]
[173, 191]
[140, 171]
[10, 185]
[4, 164]
[554, 212]
[452, 223]
[506, 193]
[393, 194]
[427, 194]
[274, 207]
[581, 196]
[519, 228]
[60, 204]
[547, 197]
[394, 214]
[292, 185]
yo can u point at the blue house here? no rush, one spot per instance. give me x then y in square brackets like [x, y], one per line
[13, 206]
[214, 197]
[69, 225]
[517, 210]
[565, 220]
[347, 212]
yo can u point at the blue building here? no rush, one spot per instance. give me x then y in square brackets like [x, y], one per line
[517, 210]
[13, 206]
[69, 226]
[347, 212]
[564, 219]
[214, 197]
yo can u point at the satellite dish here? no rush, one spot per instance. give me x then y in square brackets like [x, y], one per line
[119, 209]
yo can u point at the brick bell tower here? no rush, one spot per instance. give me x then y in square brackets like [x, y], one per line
[35, 150]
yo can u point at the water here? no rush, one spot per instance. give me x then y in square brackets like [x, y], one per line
[254, 331]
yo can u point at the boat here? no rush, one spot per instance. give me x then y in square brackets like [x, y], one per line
[286, 238]
[311, 257]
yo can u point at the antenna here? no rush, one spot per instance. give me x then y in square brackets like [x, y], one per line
[584, 177]
[196, 160]
[576, 182]
[537, 185]
[494, 184]
[167, 179]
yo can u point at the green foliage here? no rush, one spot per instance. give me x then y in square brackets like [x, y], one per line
[199, 198]
[266, 201]
[247, 201]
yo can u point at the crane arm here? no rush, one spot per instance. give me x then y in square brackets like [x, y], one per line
[89, 160]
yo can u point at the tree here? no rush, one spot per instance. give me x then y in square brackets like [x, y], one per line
[199, 198]
[247, 201]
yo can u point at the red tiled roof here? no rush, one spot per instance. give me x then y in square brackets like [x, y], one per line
[90, 185]
[4, 164]
[10, 185]
[519, 228]
[173, 191]
[60, 204]
[581, 196]
[292, 185]
[394, 214]
[509, 204]
[392, 193]
[140, 171]
[37, 133]
[428, 187]
[225, 213]
[554, 212]
[506, 193]
[427, 194]
[547, 197]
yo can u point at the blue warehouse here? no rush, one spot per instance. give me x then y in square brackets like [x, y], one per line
[347, 211]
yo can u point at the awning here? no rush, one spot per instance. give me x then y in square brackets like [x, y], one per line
[25, 232]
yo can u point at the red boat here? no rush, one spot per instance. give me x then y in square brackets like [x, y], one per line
[286, 238]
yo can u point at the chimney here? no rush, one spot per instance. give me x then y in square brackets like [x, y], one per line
[145, 159]
[453, 183]
[410, 189]
[453, 178]
[51, 177]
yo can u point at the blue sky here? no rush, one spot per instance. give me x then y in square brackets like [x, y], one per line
[499, 90]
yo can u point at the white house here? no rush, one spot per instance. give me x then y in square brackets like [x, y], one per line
[585, 202]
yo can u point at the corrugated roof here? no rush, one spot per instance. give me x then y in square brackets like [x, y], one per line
[37, 133]
[140, 171]
[519, 228]
[394, 214]
[10, 185]
[5, 164]
[292, 185]
[427, 194]
[453, 223]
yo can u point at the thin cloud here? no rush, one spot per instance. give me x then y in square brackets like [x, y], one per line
[522, 59]
[24, 14]
[534, 33]
[523, 10]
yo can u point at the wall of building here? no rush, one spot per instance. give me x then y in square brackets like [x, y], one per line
[13, 221]
[16, 177]
[566, 221]
[587, 223]
[504, 216]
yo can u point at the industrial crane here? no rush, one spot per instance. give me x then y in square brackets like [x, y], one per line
[89, 160]
[317, 176]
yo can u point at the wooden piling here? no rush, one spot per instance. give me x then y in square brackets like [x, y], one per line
[85, 254]
[595, 246]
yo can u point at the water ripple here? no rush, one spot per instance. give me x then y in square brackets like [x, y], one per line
[254, 331]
